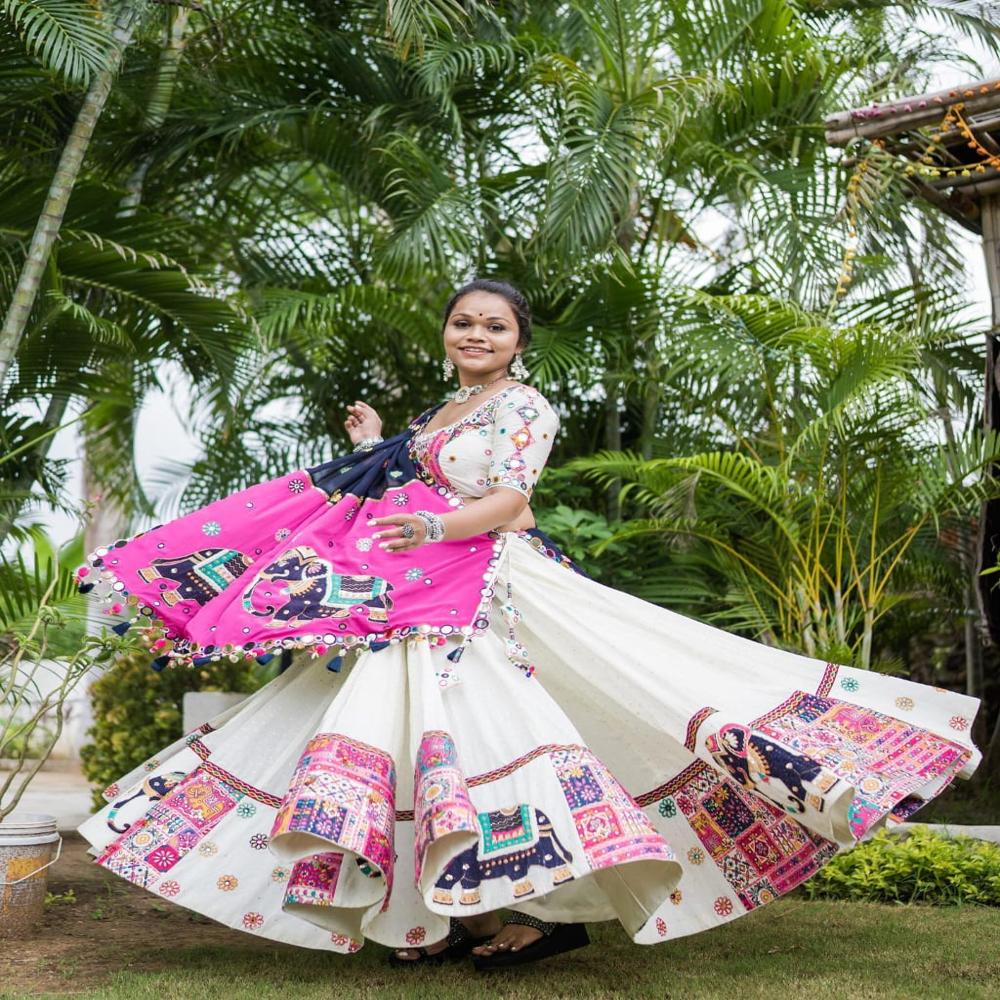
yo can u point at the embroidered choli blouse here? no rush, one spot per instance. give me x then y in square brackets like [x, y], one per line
[503, 442]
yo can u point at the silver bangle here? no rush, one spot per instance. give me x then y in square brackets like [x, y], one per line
[433, 526]
[369, 442]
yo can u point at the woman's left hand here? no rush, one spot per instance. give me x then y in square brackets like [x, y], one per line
[393, 539]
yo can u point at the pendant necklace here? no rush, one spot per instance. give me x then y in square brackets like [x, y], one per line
[461, 395]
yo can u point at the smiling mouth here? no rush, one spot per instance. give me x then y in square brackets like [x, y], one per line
[475, 350]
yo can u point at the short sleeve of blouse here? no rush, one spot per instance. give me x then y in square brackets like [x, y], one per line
[524, 428]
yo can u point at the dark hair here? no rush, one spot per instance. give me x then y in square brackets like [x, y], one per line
[515, 299]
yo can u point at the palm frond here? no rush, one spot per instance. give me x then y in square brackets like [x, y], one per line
[67, 37]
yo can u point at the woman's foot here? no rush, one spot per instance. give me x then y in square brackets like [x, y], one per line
[481, 926]
[412, 955]
[510, 937]
[527, 939]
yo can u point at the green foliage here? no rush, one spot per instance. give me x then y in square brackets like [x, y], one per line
[811, 513]
[26, 741]
[61, 898]
[67, 37]
[39, 613]
[137, 711]
[923, 867]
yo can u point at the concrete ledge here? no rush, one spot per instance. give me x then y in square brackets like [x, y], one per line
[982, 832]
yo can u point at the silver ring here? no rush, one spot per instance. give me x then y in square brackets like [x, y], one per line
[408, 530]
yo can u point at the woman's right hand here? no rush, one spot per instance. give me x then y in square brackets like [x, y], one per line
[362, 422]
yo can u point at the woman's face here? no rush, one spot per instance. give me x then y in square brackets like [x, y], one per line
[481, 335]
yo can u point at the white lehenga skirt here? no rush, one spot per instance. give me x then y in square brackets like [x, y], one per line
[654, 769]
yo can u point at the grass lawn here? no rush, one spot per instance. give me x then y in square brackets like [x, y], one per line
[117, 941]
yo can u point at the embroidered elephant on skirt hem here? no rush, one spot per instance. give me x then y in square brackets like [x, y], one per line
[300, 587]
[761, 764]
[511, 842]
[198, 576]
[153, 789]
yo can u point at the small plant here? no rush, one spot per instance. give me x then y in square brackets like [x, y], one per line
[921, 868]
[37, 606]
[60, 898]
[27, 741]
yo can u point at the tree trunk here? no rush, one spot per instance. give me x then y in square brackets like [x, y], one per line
[650, 415]
[110, 515]
[612, 440]
[158, 107]
[63, 181]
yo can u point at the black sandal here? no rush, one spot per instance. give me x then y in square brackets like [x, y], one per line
[460, 943]
[555, 939]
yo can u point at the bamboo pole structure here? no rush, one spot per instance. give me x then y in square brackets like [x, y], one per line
[988, 547]
[908, 113]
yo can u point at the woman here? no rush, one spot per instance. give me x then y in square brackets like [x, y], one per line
[526, 738]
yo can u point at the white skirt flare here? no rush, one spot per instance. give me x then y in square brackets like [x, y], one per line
[652, 769]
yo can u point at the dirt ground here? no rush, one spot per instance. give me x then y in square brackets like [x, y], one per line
[112, 925]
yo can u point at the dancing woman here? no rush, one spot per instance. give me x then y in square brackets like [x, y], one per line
[479, 727]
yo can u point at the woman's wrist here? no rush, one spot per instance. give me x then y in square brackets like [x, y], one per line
[367, 443]
[434, 526]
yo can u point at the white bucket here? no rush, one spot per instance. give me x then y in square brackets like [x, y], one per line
[26, 841]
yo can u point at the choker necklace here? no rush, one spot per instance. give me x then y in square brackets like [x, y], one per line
[468, 391]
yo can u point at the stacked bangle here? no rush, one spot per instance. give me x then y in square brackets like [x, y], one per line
[433, 526]
[368, 443]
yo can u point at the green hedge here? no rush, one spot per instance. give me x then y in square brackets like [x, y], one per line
[138, 711]
[923, 867]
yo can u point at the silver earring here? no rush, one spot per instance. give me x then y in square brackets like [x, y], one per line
[447, 369]
[518, 369]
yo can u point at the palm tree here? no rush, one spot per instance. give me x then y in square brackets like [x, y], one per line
[75, 50]
[808, 528]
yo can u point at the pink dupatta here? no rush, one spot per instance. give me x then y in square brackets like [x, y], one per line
[290, 563]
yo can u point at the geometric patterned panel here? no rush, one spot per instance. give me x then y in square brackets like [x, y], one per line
[612, 828]
[344, 791]
[172, 827]
[313, 880]
[441, 801]
[760, 850]
[887, 759]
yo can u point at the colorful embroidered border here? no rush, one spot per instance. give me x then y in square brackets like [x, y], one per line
[402, 815]
[839, 740]
[343, 792]
[505, 770]
[265, 798]
[691, 734]
[760, 851]
[829, 676]
[442, 806]
[671, 786]
[790, 704]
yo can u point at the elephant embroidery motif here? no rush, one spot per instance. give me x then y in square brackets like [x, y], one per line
[511, 842]
[299, 587]
[199, 576]
[760, 764]
[154, 789]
